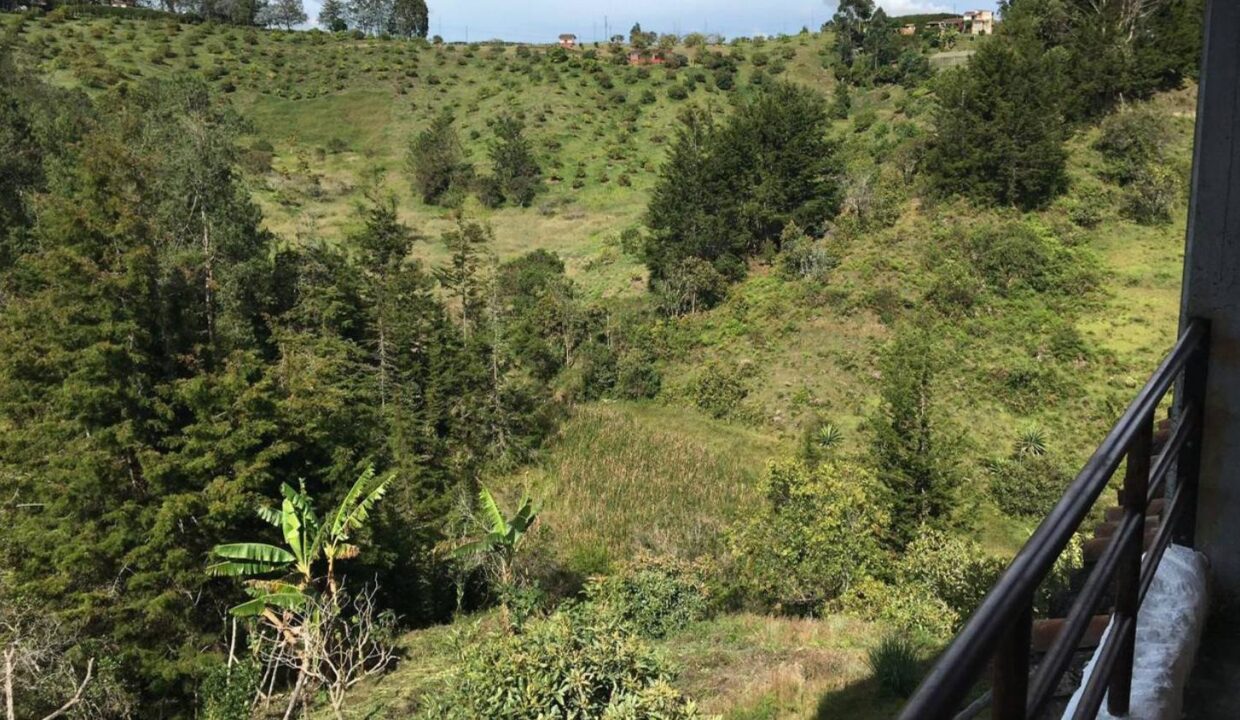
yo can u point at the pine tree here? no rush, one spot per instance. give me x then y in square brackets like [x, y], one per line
[515, 168]
[436, 162]
[999, 127]
[914, 445]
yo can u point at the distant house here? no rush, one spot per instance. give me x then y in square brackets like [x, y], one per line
[979, 22]
[952, 23]
[568, 41]
[637, 57]
[909, 29]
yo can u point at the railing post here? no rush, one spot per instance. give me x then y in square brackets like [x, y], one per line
[1010, 684]
[1128, 579]
[1190, 403]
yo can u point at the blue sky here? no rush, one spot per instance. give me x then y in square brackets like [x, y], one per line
[543, 20]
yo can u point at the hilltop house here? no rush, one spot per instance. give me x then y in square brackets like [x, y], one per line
[908, 30]
[568, 41]
[979, 22]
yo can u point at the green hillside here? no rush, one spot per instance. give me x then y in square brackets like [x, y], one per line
[330, 119]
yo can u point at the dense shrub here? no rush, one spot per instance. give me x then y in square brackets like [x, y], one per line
[955, 569]
[719, 391]
[1151, 196]
[1016, 256]
[691, 285]
[653, 596]
[1130, 141]
[575, 663]
[904, 607]
[226, 692]
[814, 537]
[1027, 486]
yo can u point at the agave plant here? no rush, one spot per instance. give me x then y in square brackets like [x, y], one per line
[828, 436]
[1031, 443]
[284, 577]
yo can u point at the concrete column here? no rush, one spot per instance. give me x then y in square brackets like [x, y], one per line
[1212, 288]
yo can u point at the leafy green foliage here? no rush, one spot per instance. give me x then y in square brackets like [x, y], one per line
[817, 533]
[574, 663]
[308, 542]
[227, 691]
[653, 596]
[1027, 485]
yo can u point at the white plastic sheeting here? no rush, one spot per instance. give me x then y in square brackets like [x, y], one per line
[1168, 632]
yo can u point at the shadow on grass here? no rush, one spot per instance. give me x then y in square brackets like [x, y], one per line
[859, 700]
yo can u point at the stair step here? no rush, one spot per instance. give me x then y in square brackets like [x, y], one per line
[1045, 632]
[1156, 506]
[1107, 529]
[1092, 549]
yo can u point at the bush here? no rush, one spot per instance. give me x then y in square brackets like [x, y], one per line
[802, 256]
[1151, 195]
[227, 692]
[574, 663]
[955, 569]
[652, 596]
[906, 607]
[895, 665]
[1016, 256]
[1027, 486]
[719, 391]
[636, 375]
[1087, 207]
[813, 539]
[692, 285]
[1131, 141]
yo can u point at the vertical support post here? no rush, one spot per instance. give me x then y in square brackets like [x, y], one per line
[1211, 290]
[1128, 579]
[1190, 403]
[1010, 682]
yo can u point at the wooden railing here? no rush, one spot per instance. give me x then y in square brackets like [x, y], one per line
[998, 632]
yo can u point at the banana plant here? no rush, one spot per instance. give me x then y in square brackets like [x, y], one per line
[284, 577]
[503, 536]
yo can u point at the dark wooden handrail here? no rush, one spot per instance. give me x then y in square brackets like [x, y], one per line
[998, 631]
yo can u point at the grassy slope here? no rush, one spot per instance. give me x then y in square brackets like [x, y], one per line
[657, 474]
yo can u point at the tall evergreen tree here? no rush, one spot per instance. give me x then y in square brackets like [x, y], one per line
[436, 161]
[999, 126]
[727, 190]
[914, 444]
[515, 168]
